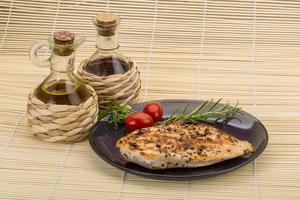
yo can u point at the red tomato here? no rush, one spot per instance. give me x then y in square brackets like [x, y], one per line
[155, 110]
[138, 120]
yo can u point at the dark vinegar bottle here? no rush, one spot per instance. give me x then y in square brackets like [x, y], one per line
[107, 59]
[106, 66]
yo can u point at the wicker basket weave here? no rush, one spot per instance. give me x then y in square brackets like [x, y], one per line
[124, 88]
[62, 123]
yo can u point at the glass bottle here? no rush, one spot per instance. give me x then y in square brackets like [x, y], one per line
[61, 86]
[107, 59]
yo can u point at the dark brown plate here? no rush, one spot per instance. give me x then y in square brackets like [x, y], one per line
[246, 127]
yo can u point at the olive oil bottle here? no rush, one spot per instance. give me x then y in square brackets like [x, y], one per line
[61, 86]
[62, 92]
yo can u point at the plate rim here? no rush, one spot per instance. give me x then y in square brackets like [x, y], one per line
[177, 177]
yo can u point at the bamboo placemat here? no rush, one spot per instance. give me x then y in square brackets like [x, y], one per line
[238, 49]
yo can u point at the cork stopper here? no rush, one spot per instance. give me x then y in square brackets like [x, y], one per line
[106, 19]
[63, 41]
[64, 37]
[106, 23]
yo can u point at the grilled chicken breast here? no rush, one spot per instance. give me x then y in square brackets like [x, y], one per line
[179, 145]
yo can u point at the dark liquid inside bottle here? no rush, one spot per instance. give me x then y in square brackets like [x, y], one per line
[63, 93]
[107, 66]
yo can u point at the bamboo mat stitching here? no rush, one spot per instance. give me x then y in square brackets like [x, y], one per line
[7, 23]
[56, 16]
[253, 71]
[107, 5]
[118, 194]
[146, 69]
[149, 60]
[12, 135]
[61, 168]
[201, 48]
[186, 192]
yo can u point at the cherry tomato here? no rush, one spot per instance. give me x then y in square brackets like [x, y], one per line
[155, 110]
[138, 120]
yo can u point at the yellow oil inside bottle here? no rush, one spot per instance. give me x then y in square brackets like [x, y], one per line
[62, 92]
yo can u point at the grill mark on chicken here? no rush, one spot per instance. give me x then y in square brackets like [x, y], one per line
[180, 145]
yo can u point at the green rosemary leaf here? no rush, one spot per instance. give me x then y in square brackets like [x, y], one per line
[175, 111]
[206, 111]
[171, 118]
[182, 114]
[196, 110]
[205, 107]
[117, 112]
[215, 104]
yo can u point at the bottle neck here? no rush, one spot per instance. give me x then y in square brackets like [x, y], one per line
[107, 42]
[62, 64]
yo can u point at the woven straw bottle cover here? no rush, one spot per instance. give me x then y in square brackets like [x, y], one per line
[112, 75]
[62, 108]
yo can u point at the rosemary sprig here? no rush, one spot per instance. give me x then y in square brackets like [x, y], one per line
[206, 111]
[117, 112]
